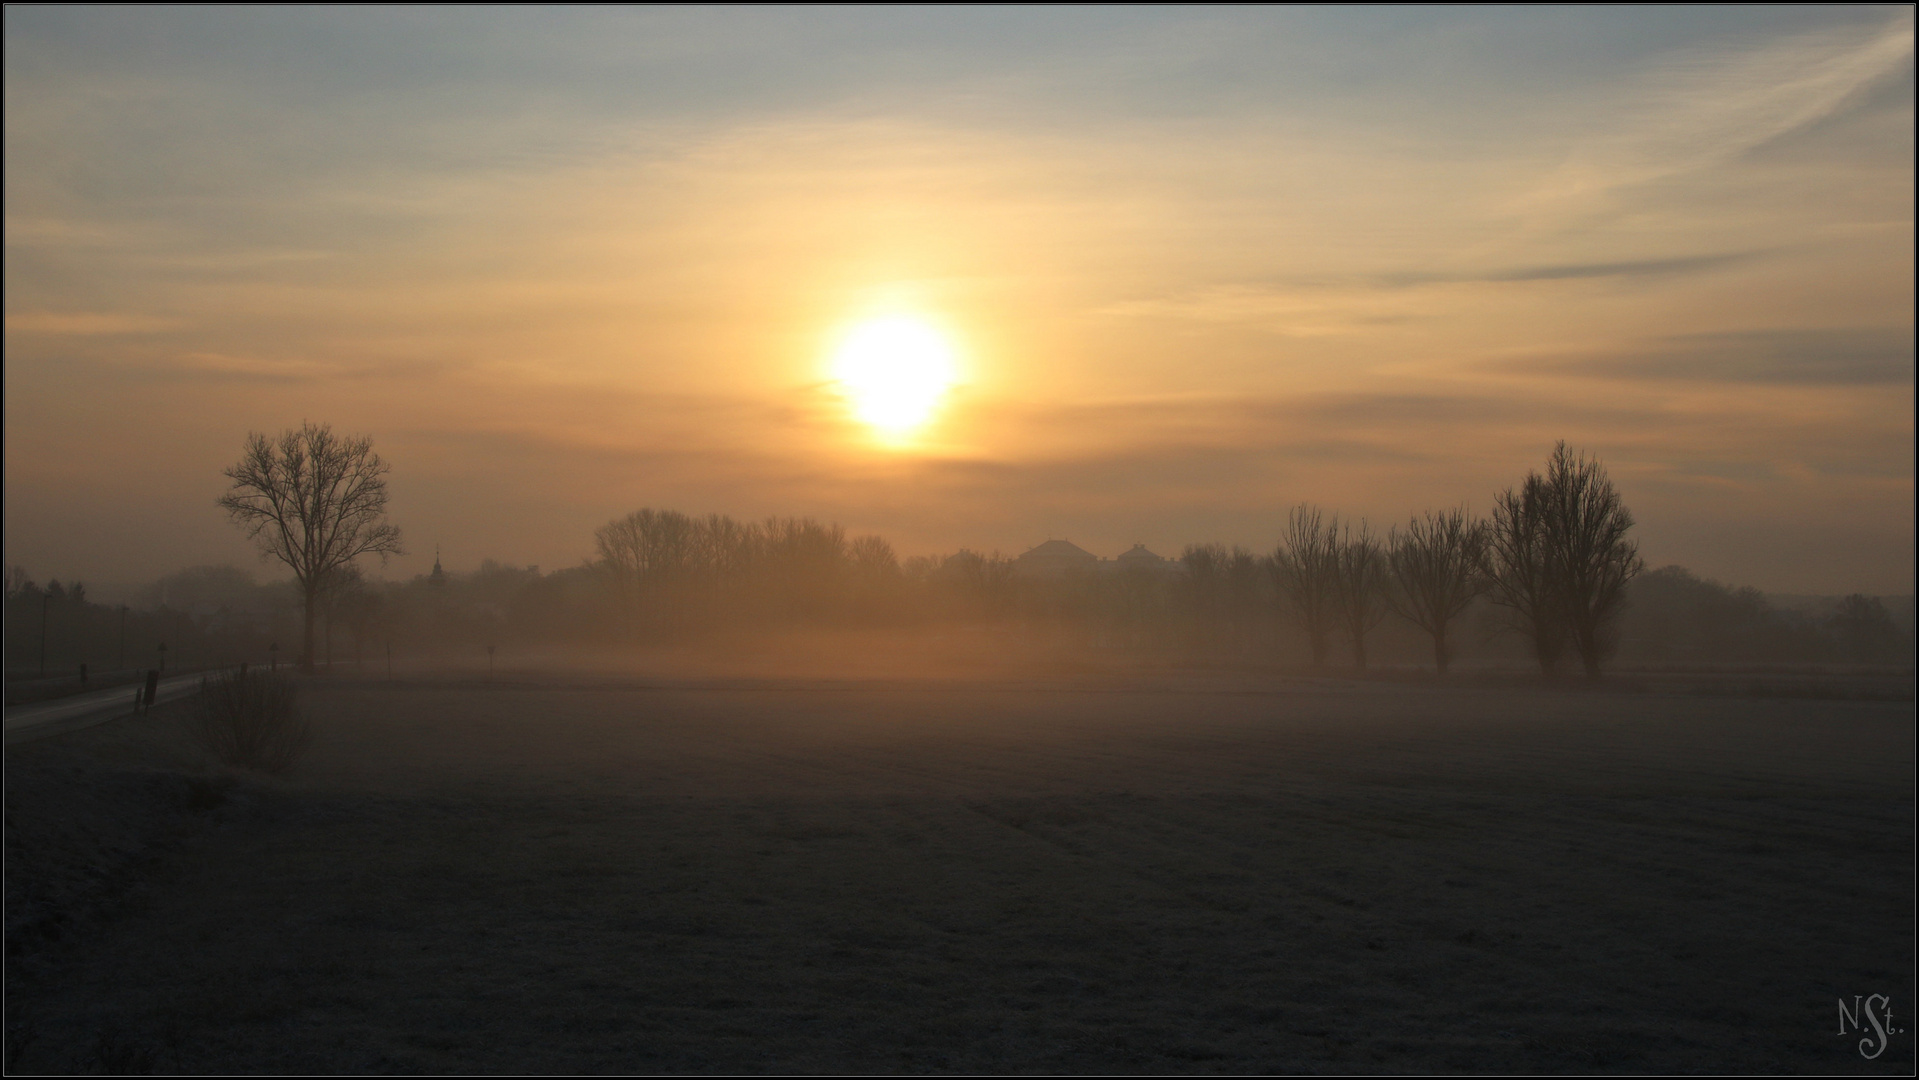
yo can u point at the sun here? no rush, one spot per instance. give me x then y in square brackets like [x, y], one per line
[894, 370]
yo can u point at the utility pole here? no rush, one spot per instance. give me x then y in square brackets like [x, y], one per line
[46, 599]
[123, 638]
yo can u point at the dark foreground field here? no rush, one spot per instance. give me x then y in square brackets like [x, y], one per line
[1174, 877]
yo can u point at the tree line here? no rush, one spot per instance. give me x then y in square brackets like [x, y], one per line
[1551, 570]
[1552, 573]
[1552, 567]
[1554, 555]
[55, 630]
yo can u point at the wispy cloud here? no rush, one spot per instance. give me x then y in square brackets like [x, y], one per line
[1632, 268]
[1707, 107]
[1570, 271]
[1844, 356]
[1361, 303]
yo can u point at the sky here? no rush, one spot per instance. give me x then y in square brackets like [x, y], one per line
[1195, 266]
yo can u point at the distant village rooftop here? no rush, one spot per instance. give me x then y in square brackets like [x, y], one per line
[1059, 558]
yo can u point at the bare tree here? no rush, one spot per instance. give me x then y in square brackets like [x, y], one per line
[876, 579]
[1304, 570]
[1359, 585]
[648, 552]
[1560, 560]
[1437, 566]
[252, 720]
[726, 549]
[982, 584]
[1519, 570]
[873, 557]
[1591, 557]
[802, 564]
[648, 544]
[316, 502]
[681, 574]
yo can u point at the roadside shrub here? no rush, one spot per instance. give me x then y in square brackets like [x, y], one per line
[251, 719]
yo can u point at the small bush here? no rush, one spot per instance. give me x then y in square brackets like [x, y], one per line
[251, 719]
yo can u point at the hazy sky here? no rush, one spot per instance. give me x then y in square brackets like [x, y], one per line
[1198, 266]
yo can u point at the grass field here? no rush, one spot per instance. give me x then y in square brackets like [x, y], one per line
[1186, 874]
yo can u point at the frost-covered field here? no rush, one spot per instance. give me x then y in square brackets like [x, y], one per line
[1174, 875]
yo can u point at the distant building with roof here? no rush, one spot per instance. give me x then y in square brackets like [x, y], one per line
[1063, 558]
[1056, 558]
[1139, 560]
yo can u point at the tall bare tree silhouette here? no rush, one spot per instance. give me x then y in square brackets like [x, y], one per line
[1559, 559]
[315, 501]
[1591, 559]
[1520, 575]
[1359, 585]
[1305, 569]
[1438, 569]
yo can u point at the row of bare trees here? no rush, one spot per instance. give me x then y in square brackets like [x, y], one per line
[1554, 555]
[669, 568]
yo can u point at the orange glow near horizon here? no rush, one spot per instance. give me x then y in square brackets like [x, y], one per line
[895, 371]
[964, 277]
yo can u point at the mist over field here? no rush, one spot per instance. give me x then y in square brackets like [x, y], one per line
[985, 540]
[963, 612]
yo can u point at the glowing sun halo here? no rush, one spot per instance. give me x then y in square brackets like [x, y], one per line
[894, 370]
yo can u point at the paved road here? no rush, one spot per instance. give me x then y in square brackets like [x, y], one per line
[43, 718]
